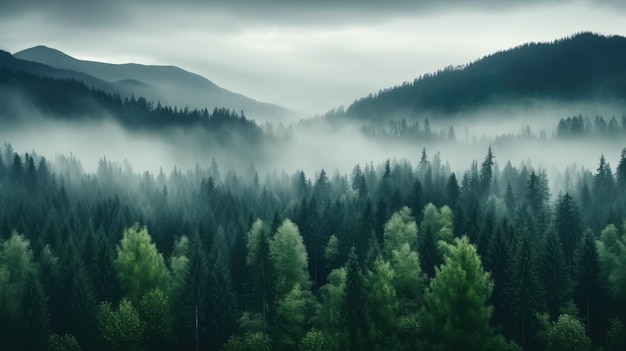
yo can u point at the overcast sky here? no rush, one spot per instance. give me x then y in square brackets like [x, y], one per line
[310, 55]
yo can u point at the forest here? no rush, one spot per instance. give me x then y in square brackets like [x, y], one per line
[584, 66]
[400, 255]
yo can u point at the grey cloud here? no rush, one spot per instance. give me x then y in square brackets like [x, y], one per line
[283, 11]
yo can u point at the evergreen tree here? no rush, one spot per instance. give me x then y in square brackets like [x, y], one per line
[289, 258]
[260, 263]
[603, 194]
[554, 275]
[497, 262]
[453, 191]
[34, 323]
[221, 297]
[83, 308]
[589, 286]
[621, 172]
[139, 265]
[455, 313]
[352, 308]
[568, 228]
[486, 173]
[435, 226]
[156, 317]
[612, 253]
[525, 292]
[191, 317]
[329, 317]
[293, 313]
[381, 306]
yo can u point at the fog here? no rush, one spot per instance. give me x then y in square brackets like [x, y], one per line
[334, 147]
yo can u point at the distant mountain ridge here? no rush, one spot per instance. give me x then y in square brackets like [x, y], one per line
[585, 66]
[10, 62]
[168, 84]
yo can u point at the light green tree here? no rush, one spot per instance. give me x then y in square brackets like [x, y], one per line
[436, 228]
[400, 229]
[455, 315]
[260, 263]
[381, 306]
[332, 248]
[158, 323]
[314, 340]
[328, 316]
[179, 265]
[65, 342]
[16, 262]
[139, 265]
[568, 334]
[400, 236]
[612, 252]
[121, 328]
[17, 257]
[290, 259]
[408, 280]
[248, 342]
[293, 312]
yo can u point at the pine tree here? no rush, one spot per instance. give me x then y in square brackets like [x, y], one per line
[554, 275]
[34, 324]
[83, 308]
[352, 308]
[221, 297]
[568, 228]
[486, 173]
[497, 263]
[260, 264]
[191, 316]
[524, 291]
[455, 313]
[589, 293]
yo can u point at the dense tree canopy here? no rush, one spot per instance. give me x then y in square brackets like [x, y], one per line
[401, 257]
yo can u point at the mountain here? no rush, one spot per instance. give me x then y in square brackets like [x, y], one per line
[45, 98]
[169, 85]
[15, 64]
[584, 67]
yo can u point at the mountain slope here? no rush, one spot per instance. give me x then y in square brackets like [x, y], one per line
[168, 84]
[584, 67]
[15, 64]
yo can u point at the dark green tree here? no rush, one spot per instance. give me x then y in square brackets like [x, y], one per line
[83, 308]
[525, 292]
[486, 173]
[497, 262]
[352, 308]
[34, 324]
[554, 275]
[568, 227]
[589, 287]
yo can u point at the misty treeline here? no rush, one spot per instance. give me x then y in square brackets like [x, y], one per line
[398, 256]
[73, 100]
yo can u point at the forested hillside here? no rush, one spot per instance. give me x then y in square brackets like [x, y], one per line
[584, 67]
[402, 255]
[70, 99]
